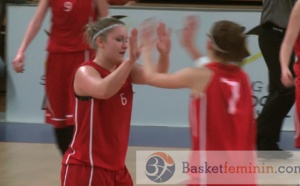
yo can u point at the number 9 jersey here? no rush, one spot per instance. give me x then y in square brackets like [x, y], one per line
[68, 21]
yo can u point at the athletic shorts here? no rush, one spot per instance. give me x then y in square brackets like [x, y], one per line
[59, 94]
[82, 175]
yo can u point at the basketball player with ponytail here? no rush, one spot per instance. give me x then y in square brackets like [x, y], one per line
[104, 95]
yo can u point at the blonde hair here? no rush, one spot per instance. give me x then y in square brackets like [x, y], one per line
[100, 29]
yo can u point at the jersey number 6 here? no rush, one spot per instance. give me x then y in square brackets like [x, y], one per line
[123, 99]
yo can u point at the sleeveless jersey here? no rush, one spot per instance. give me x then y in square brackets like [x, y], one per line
[223, 118]
[222, 126]
[102, 128]
[68, 21]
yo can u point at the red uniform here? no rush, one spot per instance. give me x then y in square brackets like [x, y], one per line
[101, 134]
[222, 119]
[68, 21]
[297, 100]
[67, 50]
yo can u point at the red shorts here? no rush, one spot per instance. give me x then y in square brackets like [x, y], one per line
[81, 175]
[60, 99]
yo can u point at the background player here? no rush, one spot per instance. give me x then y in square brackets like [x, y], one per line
[292, 41]
[274, 20]
[66, 50]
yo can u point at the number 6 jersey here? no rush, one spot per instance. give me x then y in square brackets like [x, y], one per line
[101, 128]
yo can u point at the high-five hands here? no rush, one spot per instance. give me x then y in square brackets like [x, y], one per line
[163, 44]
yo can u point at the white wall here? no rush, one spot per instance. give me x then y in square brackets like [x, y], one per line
[152, 106]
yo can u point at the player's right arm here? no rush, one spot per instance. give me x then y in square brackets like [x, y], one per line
[194, 79]
[32, 30]
[88, 82]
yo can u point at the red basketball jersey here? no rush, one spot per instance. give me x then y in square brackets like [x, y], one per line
[297, 102]
[68, 21]
[222, 118]
[297, 48]
[102, 128]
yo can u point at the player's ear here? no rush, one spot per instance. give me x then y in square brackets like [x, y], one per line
[99, 42]
[209, 45]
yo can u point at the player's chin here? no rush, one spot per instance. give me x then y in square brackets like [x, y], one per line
[121, 58]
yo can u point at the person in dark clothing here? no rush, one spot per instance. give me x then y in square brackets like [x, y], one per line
[274, 20]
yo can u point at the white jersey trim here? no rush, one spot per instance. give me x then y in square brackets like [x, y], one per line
[72, 143]
[91, 142]
[203, 134]
[297, 129]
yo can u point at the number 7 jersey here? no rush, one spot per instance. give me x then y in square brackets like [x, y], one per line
[223, 118]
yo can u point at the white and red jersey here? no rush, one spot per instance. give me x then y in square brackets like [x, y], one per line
[101, 128]
[68, 21]
[222, 118]
[297, 48]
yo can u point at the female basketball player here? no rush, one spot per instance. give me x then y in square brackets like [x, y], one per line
[103, 89]
[66, 50]
[221, 111]
[292, 41]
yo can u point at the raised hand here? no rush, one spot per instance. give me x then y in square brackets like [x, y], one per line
[189, 31]
[188, 36]
[147, 34]
[134, 51]
[148, 44]
[163, 44]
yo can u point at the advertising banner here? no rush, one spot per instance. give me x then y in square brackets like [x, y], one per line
[152, 106]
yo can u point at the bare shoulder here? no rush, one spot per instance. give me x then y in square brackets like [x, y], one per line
[86, 71]
[202, 77]
[85, 80]
[87, 68]
[201, 73]
[196, 74]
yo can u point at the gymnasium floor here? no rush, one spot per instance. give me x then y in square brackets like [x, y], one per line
[37, 164]
[29, 157]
